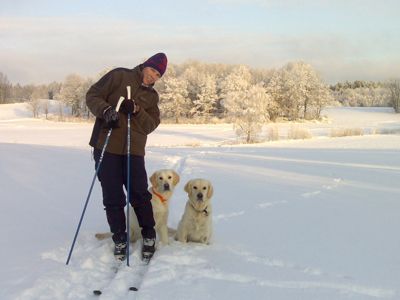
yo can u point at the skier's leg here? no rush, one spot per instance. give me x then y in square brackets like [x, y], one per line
[111, 178]
[140, 200]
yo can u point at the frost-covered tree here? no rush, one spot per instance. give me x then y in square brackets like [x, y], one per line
[247, 110]
[87, 83]
[53, 89]
[34, 106]
[174, 100]
[299, 91]
[245, 103]
[237, 81]
[192, 77]
[270, 107]
[5, 88]
[363, 96]
[36, 99]
[206, 99]
[73, 93]
[45, 104]
[394, 88]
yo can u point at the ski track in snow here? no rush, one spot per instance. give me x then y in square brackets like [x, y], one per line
[93, 267]
[180, 166]
[186, 265]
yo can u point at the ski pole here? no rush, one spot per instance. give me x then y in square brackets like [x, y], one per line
[128, 177]
[91, 186]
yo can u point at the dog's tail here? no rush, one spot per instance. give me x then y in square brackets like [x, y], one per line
[103, 235]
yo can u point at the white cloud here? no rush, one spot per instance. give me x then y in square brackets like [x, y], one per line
[46, 49]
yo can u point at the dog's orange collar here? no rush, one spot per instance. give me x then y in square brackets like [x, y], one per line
[163, 200]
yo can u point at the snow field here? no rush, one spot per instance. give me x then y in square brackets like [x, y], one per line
[313, 219]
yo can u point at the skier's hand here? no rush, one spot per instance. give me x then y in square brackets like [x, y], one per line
[111, 117]
[129, 107]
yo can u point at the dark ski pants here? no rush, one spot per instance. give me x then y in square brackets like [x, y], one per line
[113, 177]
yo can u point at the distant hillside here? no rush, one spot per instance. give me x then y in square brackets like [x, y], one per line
[22, 110]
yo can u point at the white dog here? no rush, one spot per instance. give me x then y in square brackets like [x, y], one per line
[196, 222]
[163, 183]
[162, 187]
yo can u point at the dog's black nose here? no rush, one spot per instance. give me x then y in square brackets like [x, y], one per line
[200, 196]
[166, 186]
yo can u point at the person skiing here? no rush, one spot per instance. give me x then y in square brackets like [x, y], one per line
[101, 99]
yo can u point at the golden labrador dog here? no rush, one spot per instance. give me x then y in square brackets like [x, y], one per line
[196, 222]
[163, 183]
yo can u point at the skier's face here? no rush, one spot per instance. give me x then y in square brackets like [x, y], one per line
[150, 76]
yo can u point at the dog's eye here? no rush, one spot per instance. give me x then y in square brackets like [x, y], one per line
[161, 178]
[204, 188]
[195, 187]
[169, 177]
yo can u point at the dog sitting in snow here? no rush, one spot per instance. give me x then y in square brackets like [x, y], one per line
[196, 222]
[163, 183]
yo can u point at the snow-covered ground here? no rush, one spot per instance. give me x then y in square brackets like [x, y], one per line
[303, 219]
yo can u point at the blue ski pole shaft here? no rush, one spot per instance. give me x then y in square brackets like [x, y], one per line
[88, 196]
[94, 178]
[128, 187]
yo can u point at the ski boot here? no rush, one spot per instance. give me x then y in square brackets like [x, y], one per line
[148, 249]
[120, 251]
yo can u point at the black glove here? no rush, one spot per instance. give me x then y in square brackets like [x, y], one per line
[111, 117]
[127, 107]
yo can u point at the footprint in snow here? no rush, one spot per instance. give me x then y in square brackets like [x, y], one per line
[270, 204]
[225, 217]
[335, 184]
[310, 194]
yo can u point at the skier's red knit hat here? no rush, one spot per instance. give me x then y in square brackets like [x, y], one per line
[158, 62]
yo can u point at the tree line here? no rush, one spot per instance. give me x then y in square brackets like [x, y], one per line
[245, 96]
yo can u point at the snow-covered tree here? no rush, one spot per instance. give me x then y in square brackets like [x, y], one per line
[237, 81]
[192, 76]
[87, 83]
[5, 88]
[53, 89]
[247, 110]
[206, 99]
[34, 106]
[299, 91]
[174, 100]
[394, 88]
[36, 99]
[73, 92]
[363, 96]
[45, 107]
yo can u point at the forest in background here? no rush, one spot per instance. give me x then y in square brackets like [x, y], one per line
[209, 93]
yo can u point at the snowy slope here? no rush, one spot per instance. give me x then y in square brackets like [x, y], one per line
[313, 219]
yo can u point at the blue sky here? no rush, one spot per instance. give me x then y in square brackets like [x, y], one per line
[42, 41]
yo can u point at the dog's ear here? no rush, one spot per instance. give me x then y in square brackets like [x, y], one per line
[153, 179]
[176, 178]
[188, 186]
[210, 190]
